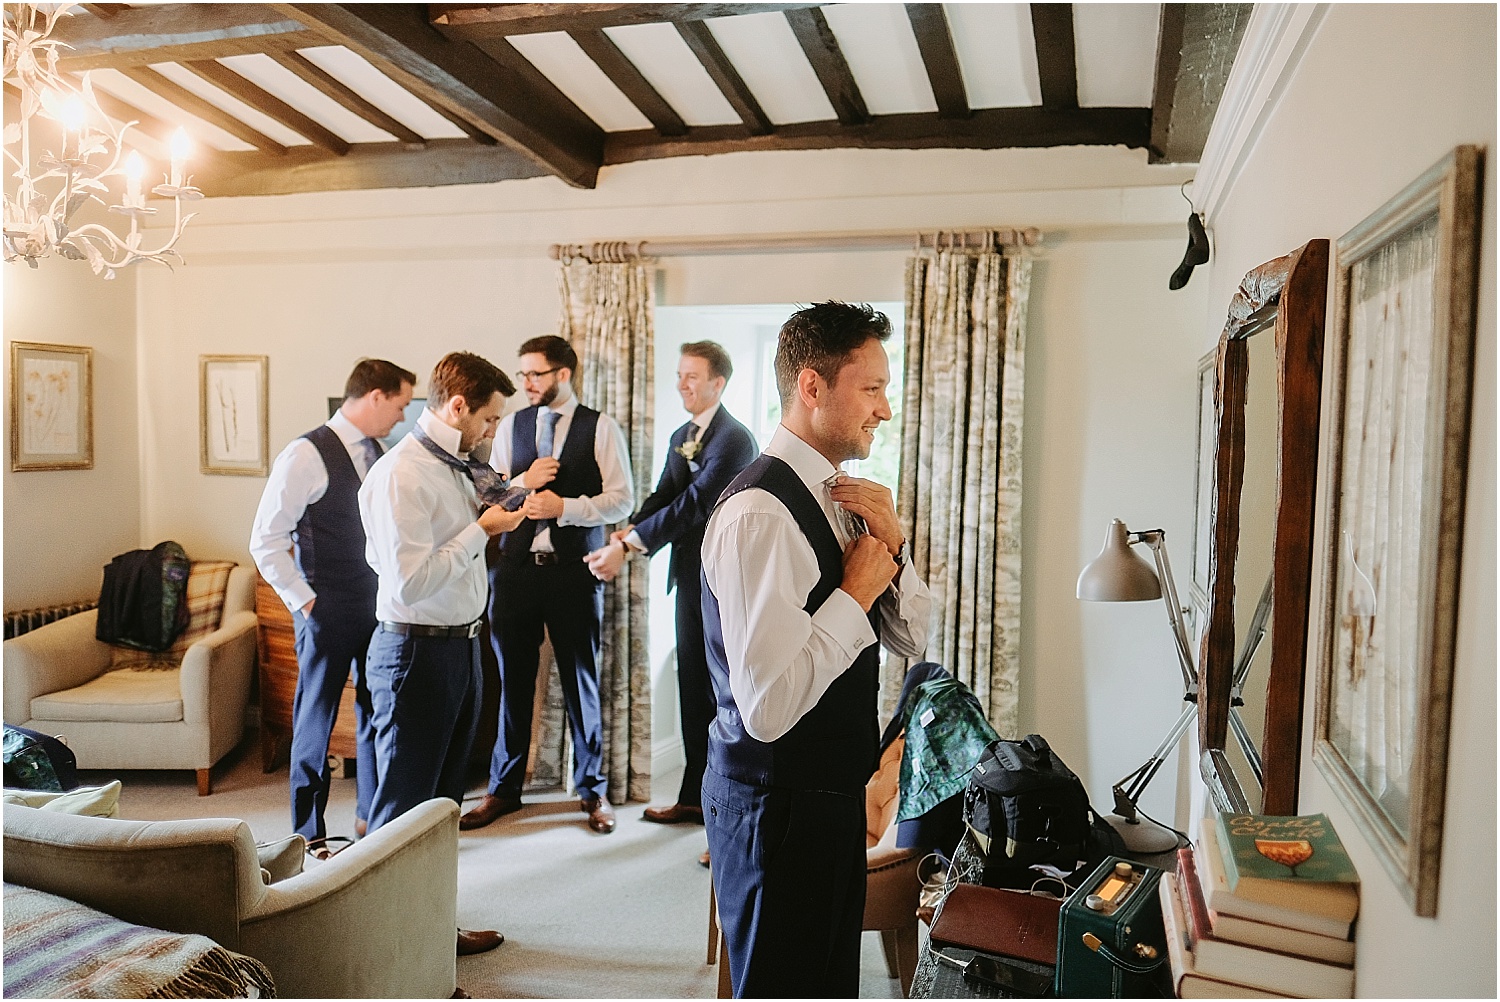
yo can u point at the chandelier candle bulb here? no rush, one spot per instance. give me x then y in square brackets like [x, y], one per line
[180, 147]
[134, 168]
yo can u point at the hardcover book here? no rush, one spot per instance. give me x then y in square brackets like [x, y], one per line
[1265, 935]
[1295, 861]
[1186, 978]
[1216, 891]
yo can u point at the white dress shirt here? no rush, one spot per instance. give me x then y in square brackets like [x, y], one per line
[617, 498]
[298, 478]
[761, 568]
[633, 540]
[421, 535]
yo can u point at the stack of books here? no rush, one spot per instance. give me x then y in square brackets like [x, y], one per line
[1264, 908]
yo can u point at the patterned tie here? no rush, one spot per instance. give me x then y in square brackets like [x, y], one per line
[373, 451]
[544, 445]
[852, 524]
[488, 484]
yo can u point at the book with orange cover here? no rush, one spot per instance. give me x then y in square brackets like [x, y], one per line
[1001, 922]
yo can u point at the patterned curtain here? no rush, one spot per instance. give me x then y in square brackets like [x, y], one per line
[606, 314]
[961, 440]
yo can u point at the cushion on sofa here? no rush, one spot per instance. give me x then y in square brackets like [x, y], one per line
[89, 801]
[140, 697]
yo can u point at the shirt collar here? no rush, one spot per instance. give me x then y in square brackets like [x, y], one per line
[345, 429]
[445, 435]
[565, 409]
[706, 418]
[808, 463]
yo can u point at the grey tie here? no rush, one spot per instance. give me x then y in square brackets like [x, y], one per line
[373, 451]
[852, 524]
[544, 444]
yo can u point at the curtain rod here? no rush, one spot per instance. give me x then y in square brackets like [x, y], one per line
[622, 250]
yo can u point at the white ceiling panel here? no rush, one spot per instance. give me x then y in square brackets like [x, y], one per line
[881, 50]
[258, 121]
[580, 78]
[667, 63]
[996, 53]
[280, 82]
[356, 73]
[1116, 52]
[133, 93]
[771, 62]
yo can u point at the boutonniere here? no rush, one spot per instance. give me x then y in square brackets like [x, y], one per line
[689, 450]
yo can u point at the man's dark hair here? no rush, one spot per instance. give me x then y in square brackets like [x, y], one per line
[719, 365]
[821, 337]
[377, 374]
[464, 374]
[554, 349]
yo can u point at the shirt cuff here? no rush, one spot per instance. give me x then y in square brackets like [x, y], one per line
[297, 595]
[519, 480]
[473, 539]
[633, 540]
[843, 620]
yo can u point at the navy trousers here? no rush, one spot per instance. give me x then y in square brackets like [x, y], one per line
[568, 601]
[695, 692]
[425, 692]
[331, 643]
[789, 877]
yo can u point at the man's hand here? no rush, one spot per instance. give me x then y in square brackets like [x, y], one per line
[873, 503]
[495, 520]
[306, 610]
[868, 570]
[606, 561]
[618, 536]
[541, 473]
[542, 504]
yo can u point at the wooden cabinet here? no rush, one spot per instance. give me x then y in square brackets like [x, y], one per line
[277, 646]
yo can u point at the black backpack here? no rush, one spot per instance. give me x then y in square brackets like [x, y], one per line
[143, 603]
[1026, 807]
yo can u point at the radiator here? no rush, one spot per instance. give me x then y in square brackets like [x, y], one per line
[17, 623]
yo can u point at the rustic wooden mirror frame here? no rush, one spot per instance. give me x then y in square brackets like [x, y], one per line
[1289, 293]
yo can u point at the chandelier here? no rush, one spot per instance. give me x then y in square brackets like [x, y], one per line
[51, 185]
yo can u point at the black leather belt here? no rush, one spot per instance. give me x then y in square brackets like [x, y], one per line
[543, 558]
[420, 630]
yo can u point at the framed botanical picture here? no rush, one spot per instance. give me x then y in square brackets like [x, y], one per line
[233, 423]
[1402, 345]
[51, 407]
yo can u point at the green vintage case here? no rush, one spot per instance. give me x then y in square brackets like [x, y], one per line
[1126, 921]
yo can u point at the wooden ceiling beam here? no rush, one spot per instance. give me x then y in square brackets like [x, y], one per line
[623, 74]
[476, 21]
[828, 62]
[935, 42]
[194, 105]
[335, 89]
[725, 76]
[1196, 46]
[105, 10]
[172, 32]
[491, 95]
[1056, 54]
[985, 128]
[268, 104]
[367, 165]
[145, 122]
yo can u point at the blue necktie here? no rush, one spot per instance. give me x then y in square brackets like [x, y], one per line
[373, 451]
[544, 445]
[489, 485]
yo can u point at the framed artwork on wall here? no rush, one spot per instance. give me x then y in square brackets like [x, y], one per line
[51, 407]
[234, 428]
[1402, 344]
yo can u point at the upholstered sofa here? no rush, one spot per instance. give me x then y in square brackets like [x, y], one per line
[377, 920]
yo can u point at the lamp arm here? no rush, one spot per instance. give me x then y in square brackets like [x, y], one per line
[1128, 790]
[1247, 745]
[1157, 540]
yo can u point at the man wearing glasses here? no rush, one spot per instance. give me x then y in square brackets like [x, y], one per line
[575, 462]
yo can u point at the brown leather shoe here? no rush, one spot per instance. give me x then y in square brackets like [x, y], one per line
[677, 814]
[703, 860]
[477, 941]
[601, 814]
[490, 808]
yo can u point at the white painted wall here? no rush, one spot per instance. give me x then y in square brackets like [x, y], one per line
[63, 526]
[1381, 93]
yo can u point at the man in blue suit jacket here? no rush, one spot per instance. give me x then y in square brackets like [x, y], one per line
[706, 454]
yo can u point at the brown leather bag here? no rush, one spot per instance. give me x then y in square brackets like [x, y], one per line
[1001, 922]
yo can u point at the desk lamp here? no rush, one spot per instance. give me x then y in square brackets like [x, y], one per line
[1119, 574]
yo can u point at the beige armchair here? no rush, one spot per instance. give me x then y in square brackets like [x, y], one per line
[60, 680]
[375, 921]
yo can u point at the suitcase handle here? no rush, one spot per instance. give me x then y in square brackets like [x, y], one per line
[1128, 966]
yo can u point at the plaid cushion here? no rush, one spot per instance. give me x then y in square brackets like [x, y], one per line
[206, 585]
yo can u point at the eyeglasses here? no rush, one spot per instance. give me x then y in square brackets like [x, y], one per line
[531, 377]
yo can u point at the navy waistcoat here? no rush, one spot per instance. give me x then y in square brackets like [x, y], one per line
[329, 542]
[577, 476]
[835, 746]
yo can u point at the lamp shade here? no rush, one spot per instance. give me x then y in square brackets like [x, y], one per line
[1118, 574]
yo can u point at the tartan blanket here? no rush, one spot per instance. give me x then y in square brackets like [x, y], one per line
[206, 584]
[56, 948]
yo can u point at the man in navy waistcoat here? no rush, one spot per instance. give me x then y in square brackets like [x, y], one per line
[575, 461]
[309, 544]
[704, 456]
[805, 577]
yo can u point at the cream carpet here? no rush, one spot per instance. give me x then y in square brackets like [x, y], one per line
[584, 915]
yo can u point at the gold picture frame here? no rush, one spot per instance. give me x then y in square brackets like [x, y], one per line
[233, 419]
[1402, 347]
[51, 407]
